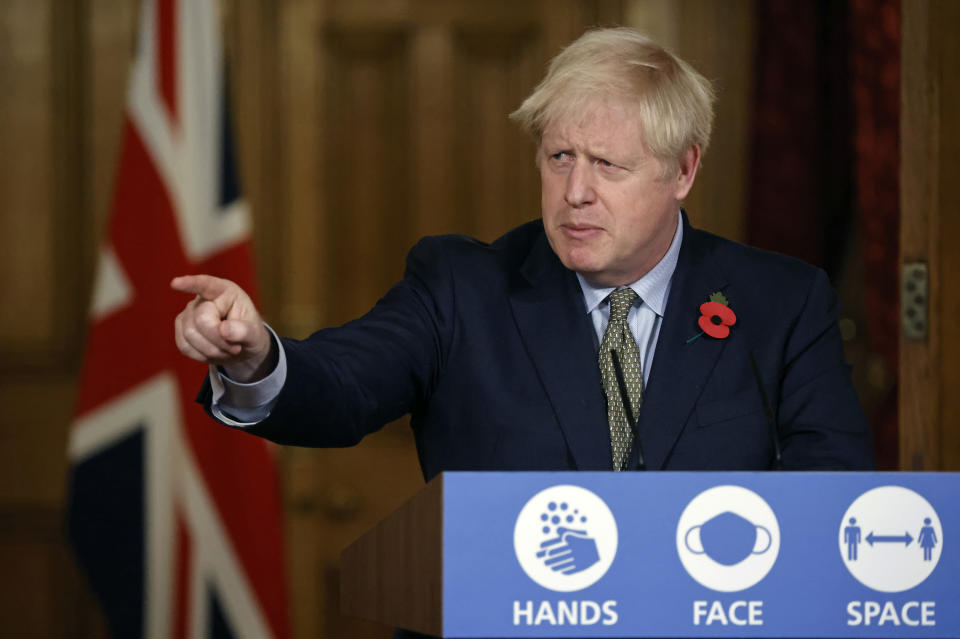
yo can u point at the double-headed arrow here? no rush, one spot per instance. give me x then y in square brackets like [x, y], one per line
[905, 539]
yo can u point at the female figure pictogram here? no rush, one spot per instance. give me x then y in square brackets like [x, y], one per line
[927, 539]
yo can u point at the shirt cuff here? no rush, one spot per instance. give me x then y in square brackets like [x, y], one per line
[241, 405]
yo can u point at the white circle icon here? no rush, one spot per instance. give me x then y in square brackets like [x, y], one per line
[890, 539]
[728, 538]
[565, 538]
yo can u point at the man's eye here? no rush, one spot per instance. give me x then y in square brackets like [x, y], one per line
[560, 156]
[606, 164]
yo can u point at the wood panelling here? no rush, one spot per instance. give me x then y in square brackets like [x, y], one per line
[432, 108]
[112, 38]
[495, 178]
[949, 275]
[298, 210]
[930, 169]
[368, 172]
[43, 593]
[362, 125]
[27, 196]
[46, 255]
[717, 39]
[333, 497]
[33, 439]
[394, 572]
[251, 51]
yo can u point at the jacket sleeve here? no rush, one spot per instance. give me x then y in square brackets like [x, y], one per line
[345, 382]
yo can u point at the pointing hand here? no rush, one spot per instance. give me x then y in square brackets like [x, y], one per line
[221, 326]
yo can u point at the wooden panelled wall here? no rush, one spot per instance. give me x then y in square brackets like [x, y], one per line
[362, 125]
[930, 226]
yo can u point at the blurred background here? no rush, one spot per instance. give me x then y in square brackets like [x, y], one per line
[361, 125]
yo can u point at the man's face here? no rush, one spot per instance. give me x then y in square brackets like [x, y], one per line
[608, 211]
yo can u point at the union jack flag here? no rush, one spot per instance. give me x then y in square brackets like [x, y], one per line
[175, 520]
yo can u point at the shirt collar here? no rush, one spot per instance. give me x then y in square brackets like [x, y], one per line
[652, 287]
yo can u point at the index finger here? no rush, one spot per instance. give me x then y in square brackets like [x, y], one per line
[207, 287]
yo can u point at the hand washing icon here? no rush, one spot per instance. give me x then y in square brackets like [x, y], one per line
[565, 538]
[728, 539]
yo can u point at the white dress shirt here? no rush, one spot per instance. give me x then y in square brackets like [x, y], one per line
[646, 314]
[240, 405]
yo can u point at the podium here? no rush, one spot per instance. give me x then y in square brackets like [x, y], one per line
[665, 554]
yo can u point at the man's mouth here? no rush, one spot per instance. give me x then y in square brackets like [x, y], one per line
[580, 231]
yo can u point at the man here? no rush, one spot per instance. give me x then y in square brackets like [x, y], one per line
[580, 341]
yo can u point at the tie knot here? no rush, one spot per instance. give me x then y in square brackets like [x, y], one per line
[620, 302]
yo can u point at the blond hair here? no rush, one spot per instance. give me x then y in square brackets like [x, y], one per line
[675, 103]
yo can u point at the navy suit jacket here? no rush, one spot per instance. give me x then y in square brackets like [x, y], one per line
[491, 351]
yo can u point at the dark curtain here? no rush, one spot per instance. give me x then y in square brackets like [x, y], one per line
[824, 171]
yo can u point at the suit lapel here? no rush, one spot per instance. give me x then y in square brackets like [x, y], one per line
[556, 330]
[680, 369]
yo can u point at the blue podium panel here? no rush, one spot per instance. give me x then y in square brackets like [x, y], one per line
[678, 554]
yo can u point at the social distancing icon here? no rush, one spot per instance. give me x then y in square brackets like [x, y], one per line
[890, 539]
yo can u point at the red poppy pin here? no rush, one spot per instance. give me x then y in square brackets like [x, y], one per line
[716, 317]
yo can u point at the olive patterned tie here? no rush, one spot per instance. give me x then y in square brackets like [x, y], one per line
[618, 338]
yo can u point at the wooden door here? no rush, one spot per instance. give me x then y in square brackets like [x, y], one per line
[929, 226]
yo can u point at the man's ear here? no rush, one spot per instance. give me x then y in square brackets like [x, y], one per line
[688, 172]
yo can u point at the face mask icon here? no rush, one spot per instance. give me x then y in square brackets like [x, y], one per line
[727, 538]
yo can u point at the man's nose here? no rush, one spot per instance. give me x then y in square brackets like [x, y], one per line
[580, 190]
